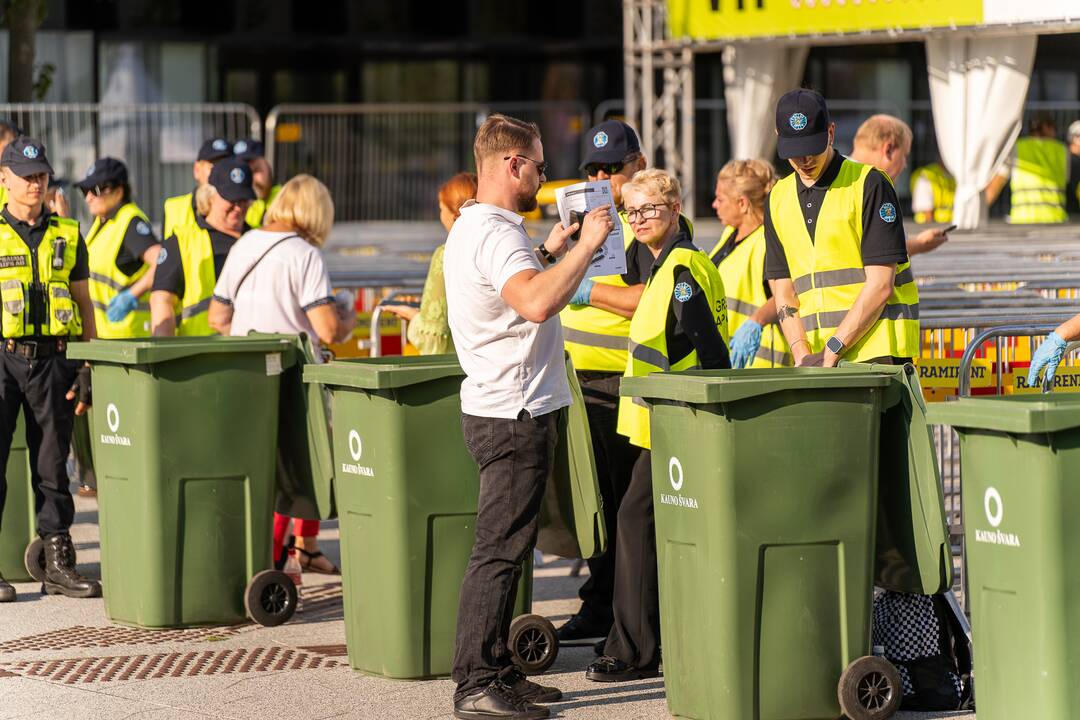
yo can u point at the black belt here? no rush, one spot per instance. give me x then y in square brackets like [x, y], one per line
[32, 349]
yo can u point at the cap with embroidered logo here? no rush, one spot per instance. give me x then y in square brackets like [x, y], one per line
[609, 142]
[232, 179]
[25, 156]
[802, 123]
[215, 149]
[105, 172]
[249, 149]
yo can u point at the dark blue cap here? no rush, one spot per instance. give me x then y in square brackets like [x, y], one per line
[105, 172]
[214, 149]
[232, 179]
[248, 149]
[802, 122]
[609, 142]
[25, 156]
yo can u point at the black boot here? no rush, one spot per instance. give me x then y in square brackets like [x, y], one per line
[7, 593]
[60, 575]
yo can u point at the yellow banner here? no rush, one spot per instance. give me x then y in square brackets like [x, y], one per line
[1067, 379]
[945, 373]
[737, 19]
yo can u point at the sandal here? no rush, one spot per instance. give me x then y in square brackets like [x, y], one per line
[307, 563]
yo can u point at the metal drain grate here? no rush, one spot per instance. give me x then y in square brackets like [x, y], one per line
[328, 650]
[150, 667]
[81, 636]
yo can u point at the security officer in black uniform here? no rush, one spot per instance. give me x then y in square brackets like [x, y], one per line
[44, 301]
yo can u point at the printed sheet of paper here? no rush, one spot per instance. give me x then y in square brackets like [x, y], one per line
[574, 201]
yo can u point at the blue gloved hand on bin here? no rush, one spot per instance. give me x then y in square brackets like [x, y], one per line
[1048, 357]
[121, 305]
[745, 344]
[584, 291]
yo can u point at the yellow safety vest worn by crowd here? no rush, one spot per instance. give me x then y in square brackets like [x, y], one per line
[944, 187]
[743, 273]
[29, 280]
[200, 276]
[3, 196]
[828, 271]
[103, 243]
[648, 351]
[179, 211]
[255, 213]
[1038, 182]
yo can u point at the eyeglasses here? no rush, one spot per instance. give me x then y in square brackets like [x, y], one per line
[541, 167]
[593, 169]
[101, 189]
[645, 212]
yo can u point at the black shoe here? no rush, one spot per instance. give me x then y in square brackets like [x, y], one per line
[582, 627]
[598, 648]
[609, 669]
[498, 702]
[528, 690]
[60, 575]
[7, 592]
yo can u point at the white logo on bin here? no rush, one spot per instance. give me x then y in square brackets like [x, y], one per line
[674, 465]
[112, 420]
[994, 509]
[993, 498]
[356, 449]
[676, 478]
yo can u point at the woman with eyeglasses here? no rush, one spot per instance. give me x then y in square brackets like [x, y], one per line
[742, 187]
[192, 258]
[680, 324]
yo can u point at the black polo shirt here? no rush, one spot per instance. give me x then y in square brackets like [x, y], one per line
[169, 275]
[883, 241]
[32, 235]
[138, 238]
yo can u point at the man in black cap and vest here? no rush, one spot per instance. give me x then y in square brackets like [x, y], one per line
[252, 152]
[835, 255]
[45, 303]
[180, 210]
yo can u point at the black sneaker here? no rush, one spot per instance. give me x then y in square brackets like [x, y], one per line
[497, 701]
[582, 627]
[528, 690]
[609, 669]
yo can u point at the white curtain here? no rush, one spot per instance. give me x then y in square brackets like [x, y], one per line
[977, 90]
[755, 76]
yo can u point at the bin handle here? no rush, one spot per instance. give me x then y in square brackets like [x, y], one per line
[990, 334]
[375, 332]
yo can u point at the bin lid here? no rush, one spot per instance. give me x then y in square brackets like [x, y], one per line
[1018, 414]
[703, 387]
[144, 351]
[385, 372]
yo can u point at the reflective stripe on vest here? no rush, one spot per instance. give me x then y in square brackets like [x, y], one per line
[944, 188]
[743, 273]
[648, 331]
[103, 244]
[255, 213]
[828, 273]
[21, 271]
[197, 257]
[1038, 182]
[178, 212]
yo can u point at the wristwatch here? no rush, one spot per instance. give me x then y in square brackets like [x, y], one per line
[835, 345]
[548, 257]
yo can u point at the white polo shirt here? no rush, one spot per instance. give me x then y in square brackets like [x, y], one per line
[510, 363]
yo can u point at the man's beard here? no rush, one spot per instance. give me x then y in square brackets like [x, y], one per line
[527, 203]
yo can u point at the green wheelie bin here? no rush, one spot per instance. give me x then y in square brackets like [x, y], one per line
[19, 547]
[766, 488]
[1020, 462]
[185, 436]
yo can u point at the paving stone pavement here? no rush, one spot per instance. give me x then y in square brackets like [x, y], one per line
[61, 659]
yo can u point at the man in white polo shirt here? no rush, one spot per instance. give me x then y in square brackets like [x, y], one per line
[504, 316]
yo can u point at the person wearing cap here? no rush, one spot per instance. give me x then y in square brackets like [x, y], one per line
[44, 302]
[181, 210]
[123, 252]
[1037, 172]
[192, 258]
[8, 132]
[251, 151]
[1072, 196]
[835, 253]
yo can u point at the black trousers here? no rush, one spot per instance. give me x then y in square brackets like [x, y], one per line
[635, 636]
[38, 388]
[615, 458]
[515, 458]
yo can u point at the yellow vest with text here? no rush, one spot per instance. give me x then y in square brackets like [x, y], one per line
[255, 213]
[103, 244]
[1038, 182]
[944, 187]
[648, 352]
[45, 274]
[178, 212]
[828, 272]
[743, 273]
[197, 258]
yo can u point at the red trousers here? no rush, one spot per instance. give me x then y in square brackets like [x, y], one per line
[301, 528]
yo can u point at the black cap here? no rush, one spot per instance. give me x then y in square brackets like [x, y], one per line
[105, 172]
[802, 122]
[25, 156]
[248, 149]
[609, 142]
[232, 179]
[215, 149]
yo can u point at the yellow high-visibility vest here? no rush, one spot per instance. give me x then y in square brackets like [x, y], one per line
[50, 268]
[828, 272]
[944, 187]
[255, 213]
[648, 352]
[743, 273]
[103, 243]
[179, 211]
[1038, 181]
[197, 257]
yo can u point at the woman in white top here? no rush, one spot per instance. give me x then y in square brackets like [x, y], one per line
[275, 281]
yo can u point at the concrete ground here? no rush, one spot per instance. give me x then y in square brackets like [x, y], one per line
[61, 659]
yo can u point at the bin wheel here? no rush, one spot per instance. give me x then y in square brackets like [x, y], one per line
[533, 643]
[34, 560]
[270, 598]
[870, 689]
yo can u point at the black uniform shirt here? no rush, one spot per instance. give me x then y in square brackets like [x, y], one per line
[883, 241]
[169, 275]
[138, 238]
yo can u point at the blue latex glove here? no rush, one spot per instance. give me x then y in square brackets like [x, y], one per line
[584, 292]
[745, 344]
[121, 305]
[1048, 356]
